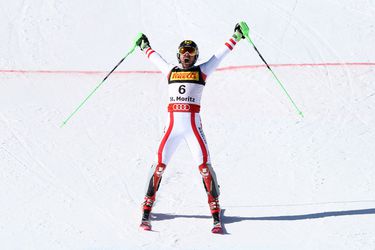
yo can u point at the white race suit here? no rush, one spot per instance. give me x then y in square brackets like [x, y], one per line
[185, 88]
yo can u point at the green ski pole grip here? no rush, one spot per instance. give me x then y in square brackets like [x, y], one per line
[244, 28]
[135, 42]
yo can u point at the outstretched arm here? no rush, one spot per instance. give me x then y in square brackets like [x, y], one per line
[212, 64]
[155, 58]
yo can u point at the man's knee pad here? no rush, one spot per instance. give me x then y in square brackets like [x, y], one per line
[209, 180]
[155, 179]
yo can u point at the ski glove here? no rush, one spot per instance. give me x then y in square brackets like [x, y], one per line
[143, 42]
[238, 34]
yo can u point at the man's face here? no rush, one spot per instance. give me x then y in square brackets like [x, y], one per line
[187, 56]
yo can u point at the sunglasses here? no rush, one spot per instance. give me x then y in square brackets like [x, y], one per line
[192, 51]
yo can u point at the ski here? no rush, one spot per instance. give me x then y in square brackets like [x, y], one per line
[217, 229]
[145, 225]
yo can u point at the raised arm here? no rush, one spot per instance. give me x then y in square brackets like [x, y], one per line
[154, 57]
[210, 66]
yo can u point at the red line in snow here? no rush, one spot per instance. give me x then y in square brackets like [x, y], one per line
[71, 72]
[291, 65]
[95, 72]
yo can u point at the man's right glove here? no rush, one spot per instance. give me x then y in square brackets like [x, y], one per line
[143, 42]
[238, 34]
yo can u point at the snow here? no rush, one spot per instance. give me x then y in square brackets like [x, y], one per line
[286, 182]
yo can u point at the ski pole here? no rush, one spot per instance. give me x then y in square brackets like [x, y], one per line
[100, 84]
[245, 31]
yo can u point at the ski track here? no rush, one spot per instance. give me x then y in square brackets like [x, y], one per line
[28, 150]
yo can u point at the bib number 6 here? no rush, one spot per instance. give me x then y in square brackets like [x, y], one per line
[182, 89]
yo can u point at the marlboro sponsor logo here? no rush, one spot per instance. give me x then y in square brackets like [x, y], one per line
[183, 76]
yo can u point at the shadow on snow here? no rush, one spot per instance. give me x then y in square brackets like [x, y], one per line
[234, 219]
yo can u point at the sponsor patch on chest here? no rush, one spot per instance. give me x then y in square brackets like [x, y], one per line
[184, 76]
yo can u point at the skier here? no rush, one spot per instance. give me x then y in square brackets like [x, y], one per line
[185, 85]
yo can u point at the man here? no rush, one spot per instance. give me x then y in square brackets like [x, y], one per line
[185, 85]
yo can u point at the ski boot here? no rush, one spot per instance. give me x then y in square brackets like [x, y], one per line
[147, 206]
[215, 211]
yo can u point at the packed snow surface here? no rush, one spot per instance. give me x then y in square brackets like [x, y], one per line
[287, 182]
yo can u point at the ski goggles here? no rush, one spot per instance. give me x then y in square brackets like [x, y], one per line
[192, 51]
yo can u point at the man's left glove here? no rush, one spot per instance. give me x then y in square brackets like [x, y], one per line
[143, 42]
[238, 34]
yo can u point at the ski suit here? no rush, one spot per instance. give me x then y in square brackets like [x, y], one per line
[185, 88]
